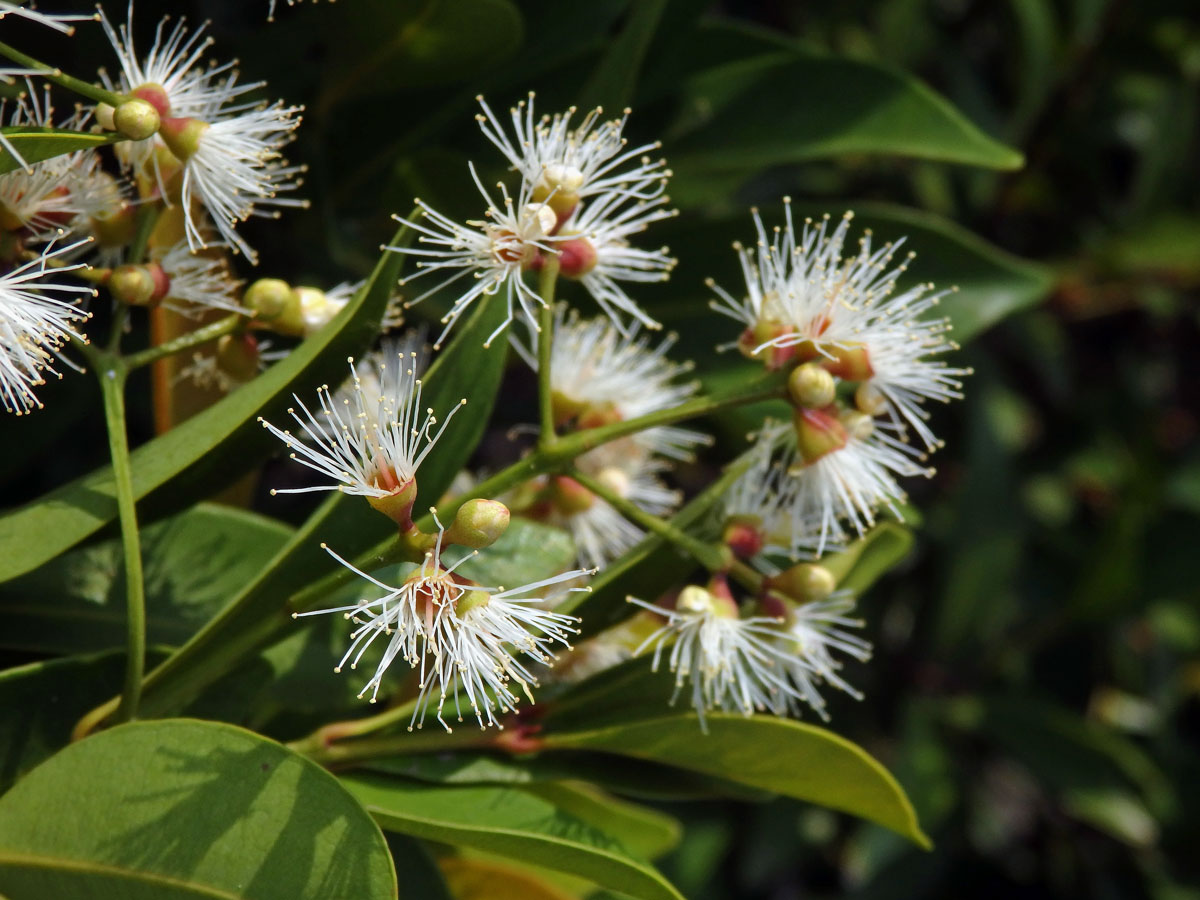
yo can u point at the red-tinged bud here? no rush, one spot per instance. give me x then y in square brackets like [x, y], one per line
[753, 344]
[133, 285]
[156, 96]
[804, 583]
[136, 119]
[718, 586]
[237, 356]
[182, 136]
[744, 536]
[478, 524]
[576, 257]
[397, 505]
[818, 432]
[773, 607]
[811, 386]
[569, 496]
[276, 306]
[697, 600]
[850, 362]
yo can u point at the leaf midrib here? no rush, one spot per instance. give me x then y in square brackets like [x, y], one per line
[10, 859]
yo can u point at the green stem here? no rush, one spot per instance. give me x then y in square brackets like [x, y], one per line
[713, 557]
[112, 374]
[187, 341]
[342, 755]
[57, 76]
[545, 339]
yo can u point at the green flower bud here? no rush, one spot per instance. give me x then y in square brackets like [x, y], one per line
[811, 386]
[276, 306]
[478, 524]
[136, 119]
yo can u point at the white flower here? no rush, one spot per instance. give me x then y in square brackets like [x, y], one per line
[197, 283]
[318, 308]
[575, 163]
[57, 21]
[813, 633]
[449, 628]
[805, 300]
[599, 375]
[492, 252]
[38, 314]
[601, 533]
[733, 663]
[371, 441]
[233, 168]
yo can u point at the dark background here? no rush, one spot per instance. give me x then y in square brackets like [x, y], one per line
[1036, 678]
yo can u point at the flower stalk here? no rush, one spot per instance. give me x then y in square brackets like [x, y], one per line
[546, 282]
[58, 76]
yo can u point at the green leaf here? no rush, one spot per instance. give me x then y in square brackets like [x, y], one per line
[644, 832]
[511, 822]
[482, 879]
[259, 613]
[527, 552]
[778, 755]
[187, 809]
[194, 563]
[41, 702]
[787, 107]
[862, 563]
[38, 144]
[612, 82]
[205, 451]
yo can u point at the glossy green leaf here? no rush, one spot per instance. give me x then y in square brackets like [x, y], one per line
[477, 879]
[776, 108]
[37, 144]
[612, 81]
[862, 563]
[259, 613]
[184, 809]
[779, 755]
[41, 702]
[205, 451]
[512, 822]
[643, 831]
[194, 562]
[635, 778]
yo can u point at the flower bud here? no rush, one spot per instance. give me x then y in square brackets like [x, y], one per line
[811, 386]
[744, 536]
[695, 599]
[478, 524]
[276, 306]
[182, 136]
[138, 285]
[576, 257]
[470, 600]
[315, 308]
[569, 496]
[136, 119]
[850, 361]
[870, 399]
[805, 583]
[104, 116]
[818, 432]
[751, 344]
[237, 356]
[156, 96]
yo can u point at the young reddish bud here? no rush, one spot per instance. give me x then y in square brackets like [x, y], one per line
[133, 285]
[237, 356]
[773, 606]
[576, 257]
[478, 524]
[805, 583]
[811, 386]
[850, 362]
[156, 96]
[397, 505]
[182, 136]
[744, 536]
[818, 432]
[276, 306]
[136, 119]
[569, 496]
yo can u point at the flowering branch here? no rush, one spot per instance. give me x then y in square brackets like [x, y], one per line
[59, 77]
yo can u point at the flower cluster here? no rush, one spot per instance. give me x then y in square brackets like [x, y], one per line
[582, 195]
